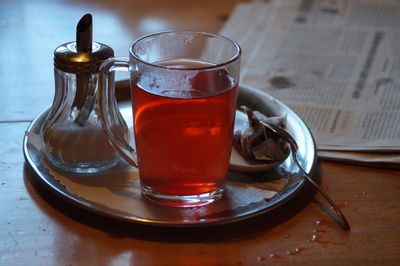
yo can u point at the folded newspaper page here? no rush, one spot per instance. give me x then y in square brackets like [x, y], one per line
[336, 63]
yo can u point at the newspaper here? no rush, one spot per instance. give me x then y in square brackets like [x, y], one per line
[335, 63]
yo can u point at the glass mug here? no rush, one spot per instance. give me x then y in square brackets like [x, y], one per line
[184, 89]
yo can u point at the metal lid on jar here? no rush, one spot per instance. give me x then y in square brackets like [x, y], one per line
[82, 56]
[68, 59]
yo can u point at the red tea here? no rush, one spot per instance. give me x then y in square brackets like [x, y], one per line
[183, 128]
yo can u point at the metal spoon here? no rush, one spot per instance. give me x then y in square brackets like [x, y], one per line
[285, 136]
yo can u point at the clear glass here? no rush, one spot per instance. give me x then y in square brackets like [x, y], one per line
[184, 90]
[73, 137]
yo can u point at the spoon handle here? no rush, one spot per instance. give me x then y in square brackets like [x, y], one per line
[342, 221]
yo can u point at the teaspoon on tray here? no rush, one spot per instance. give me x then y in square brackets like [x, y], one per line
[238, 163]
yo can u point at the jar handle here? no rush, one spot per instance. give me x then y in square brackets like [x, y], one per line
[111, 119]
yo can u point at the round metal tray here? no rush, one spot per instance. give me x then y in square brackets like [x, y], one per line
[244, 197]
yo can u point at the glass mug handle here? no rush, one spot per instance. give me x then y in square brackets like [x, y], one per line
[111, 119]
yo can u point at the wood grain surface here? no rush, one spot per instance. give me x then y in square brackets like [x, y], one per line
[38, 228]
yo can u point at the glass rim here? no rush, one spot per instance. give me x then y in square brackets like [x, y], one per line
[234, 58]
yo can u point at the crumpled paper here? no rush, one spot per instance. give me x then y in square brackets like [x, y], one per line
[254, 143]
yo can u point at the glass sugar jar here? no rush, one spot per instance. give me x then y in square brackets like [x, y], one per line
[72, 133]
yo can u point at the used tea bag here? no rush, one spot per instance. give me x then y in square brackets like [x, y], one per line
[253, 142]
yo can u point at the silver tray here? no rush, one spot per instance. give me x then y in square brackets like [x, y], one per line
[240, 201]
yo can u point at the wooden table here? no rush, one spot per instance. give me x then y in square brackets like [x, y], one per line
[38, 228]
